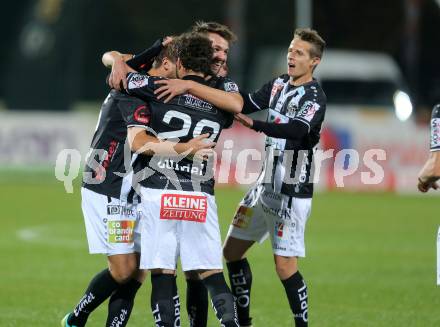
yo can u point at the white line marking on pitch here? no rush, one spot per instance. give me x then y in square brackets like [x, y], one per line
[45, 234]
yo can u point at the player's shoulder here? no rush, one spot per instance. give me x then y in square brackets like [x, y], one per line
[436, 111]
[281, 80]
[223, 83]
[314, 89]
[137, 80]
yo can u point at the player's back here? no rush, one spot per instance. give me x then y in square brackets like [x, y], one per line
[180, 120]
[105, 162]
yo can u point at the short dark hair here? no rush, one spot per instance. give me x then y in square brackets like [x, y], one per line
[169, 51]
[311, 36]
[214, 27]
[195, 52]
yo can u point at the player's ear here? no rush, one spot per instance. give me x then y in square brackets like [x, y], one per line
[315, 61]
[165, 63]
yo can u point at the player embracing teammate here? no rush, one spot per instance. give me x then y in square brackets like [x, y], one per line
[177, 197]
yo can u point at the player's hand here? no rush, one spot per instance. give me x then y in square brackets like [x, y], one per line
[118, 75]
[201, 146]
[166, 40]
[170, 88]
[425, 186]
[244, 120]
[203, 155]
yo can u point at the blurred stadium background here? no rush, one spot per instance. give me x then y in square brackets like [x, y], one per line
[371, 248]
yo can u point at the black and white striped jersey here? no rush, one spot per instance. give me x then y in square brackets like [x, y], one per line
[292, 128]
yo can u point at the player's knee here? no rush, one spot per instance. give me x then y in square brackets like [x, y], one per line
[122, 273]
[230, 253]
[192, 275]
[140, 275]
[285, 269]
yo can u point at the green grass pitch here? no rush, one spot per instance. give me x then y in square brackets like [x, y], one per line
[370, 260]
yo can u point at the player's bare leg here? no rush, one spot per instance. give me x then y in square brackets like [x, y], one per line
[295, 287]
[240, 276]
[196, 299]
[165, 302]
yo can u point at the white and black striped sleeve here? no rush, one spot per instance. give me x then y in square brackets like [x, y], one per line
[435, 129]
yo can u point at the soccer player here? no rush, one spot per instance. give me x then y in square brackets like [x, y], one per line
[430, 173]
[177, 196]
[109, 205]
[221, 37]
[280, 203]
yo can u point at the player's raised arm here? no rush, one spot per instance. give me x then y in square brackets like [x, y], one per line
[141, 142]
[108, 59]
[121, 64]
[228, 98]
[117, 62]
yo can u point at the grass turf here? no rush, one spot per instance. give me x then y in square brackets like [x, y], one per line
[370, 260]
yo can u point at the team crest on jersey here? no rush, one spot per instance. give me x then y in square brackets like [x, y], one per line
[242, 217]
[435, 133]
[291, 109]
[184, 207]
[120, 231]
[137, 81]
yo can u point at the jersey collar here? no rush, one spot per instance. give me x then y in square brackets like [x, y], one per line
[195, 78]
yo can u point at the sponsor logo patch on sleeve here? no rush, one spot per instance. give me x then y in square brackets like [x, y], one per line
[308, 111]
[137, 81]
[231, 87]
[435, 133]
[184, 207]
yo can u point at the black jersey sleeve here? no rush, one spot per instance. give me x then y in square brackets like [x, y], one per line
[310, 115]
[293, 130]
[435, 128]
[145, 59]
[134, 111]
[141, 86]
[228, 85]
[311, 108]
[258, 100]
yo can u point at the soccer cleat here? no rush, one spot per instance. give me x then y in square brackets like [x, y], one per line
[64, 322]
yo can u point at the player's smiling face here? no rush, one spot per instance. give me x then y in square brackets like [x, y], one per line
[221, 49]
[299, 62]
